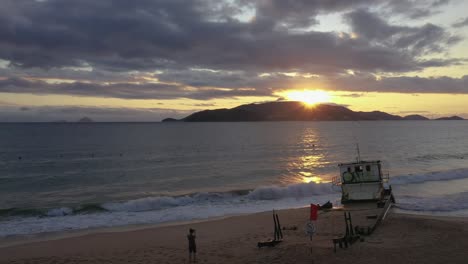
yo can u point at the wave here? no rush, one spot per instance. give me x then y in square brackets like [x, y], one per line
[443, 203]
[430, 176]
[296, 191]
[160, 209]
[20, 212]
[50, 212]
[154, 210]
[440, 156]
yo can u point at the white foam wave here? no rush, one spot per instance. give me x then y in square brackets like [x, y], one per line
[59, 211]
[164, 202]
[432, 176]
[153, 210]
[148, 204]
[190, 211]
[443, 203]
[297, 191]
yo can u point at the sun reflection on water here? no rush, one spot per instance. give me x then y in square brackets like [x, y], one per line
[314, 179]
[311, 164]
[304, 169]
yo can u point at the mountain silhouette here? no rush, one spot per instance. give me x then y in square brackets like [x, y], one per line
[85, 120]
[450, 118]
[290, 111]
[415, 117]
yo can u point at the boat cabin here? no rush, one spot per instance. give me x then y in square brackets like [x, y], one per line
[361, 181]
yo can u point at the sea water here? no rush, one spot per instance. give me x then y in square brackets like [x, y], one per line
[71, 176]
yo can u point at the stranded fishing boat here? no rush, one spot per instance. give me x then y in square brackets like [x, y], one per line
[363, 181]
[366, 195]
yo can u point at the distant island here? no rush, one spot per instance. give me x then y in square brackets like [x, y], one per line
[450, 118]
[169, 120]
[85, 120]
[293, 111]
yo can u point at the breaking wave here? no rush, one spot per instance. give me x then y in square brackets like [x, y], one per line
[154, 210]
[443, 203]
[161, 209]
[431, 176]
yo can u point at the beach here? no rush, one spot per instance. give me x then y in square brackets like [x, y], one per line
[401, 238]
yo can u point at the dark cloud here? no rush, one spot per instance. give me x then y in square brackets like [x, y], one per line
[230, 79]
[297, 13]
[141, 35]
[414, 112]
[122, 90]
[414, 9]
[353, 95]
[302, 13]
[119, 90]
[402, 84]
[461, 23]
[80, 74]
[205, 105]
[416, 41]
[255, 86]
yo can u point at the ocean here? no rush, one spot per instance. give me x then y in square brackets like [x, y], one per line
[73, 176]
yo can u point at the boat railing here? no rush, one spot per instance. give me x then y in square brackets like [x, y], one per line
[336, 181]
[385, 177]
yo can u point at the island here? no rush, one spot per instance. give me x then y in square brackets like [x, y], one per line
[450, 118]
[85, 120]
[292, 111]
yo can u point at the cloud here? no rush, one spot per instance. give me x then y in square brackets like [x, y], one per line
[416, 41]
[297, 13]
[414, 9]
[243, 85]
[401, 84]
[122, 90]
[353, 95]
[147, 35]
[414, 112]
[461, 23]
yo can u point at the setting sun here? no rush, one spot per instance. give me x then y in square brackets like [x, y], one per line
[309, 97]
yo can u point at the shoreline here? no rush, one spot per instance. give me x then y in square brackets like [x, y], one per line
[16, 240]
[237, 235]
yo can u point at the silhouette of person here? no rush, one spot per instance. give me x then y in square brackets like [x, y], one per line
[192, 246]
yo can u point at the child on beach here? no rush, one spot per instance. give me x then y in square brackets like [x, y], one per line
[192, 245]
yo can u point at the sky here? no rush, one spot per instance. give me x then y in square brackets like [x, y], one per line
[145, 60]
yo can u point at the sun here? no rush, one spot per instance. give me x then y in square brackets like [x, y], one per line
[310, 97]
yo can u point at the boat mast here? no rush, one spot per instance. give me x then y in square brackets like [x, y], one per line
[358, 153]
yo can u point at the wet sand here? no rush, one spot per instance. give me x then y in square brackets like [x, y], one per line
[399, 239]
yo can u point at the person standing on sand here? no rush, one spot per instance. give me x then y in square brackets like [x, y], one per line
[192, 246]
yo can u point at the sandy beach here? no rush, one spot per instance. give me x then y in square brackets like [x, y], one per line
[400, 239]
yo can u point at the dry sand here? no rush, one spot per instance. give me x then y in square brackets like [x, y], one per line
[400, 239]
